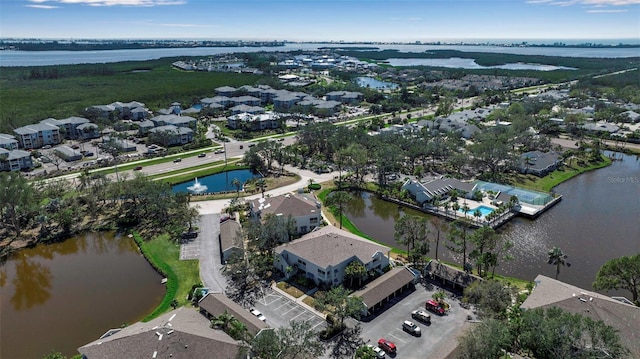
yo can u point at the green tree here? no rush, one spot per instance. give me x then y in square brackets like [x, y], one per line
[557, 258]
[620, 273]
[339, 199]
[17, 201]
[485, 240]
[487, 339]
[491, 297]
[238, 185]
[410, 230]
[365, 352]
[340, 304]
[458, 236]
[261, 184]
[297, 340]
[355, 270]
[54, 355]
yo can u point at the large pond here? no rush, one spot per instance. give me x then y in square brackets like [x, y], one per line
[64, 295]
[597, 220]
[464, 63]
[221, 182]
[373, 83]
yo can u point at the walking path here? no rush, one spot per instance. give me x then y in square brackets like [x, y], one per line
[216, 206]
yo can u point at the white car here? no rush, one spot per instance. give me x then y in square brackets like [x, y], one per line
[379, 352]
[411, 328]
[258, 314]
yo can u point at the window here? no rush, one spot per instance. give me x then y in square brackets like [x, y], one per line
[302, 262]
[321, 271]
[313, 220]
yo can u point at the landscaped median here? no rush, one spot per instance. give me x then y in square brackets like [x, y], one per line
[164, 255]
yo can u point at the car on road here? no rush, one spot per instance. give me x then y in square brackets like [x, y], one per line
[411, 328]
[252, 144]
[219, 151]
[177, 160]
[138, 168]
[434, 306]
[387, 345]
[421, 315]
[202, 155]
[379, 352]
[258, 314]
[281, 139]
[241, 146]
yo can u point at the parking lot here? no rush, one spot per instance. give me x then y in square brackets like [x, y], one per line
[435, 339]
[280, 310]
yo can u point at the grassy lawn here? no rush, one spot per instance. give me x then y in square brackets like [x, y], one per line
[164, 255]
[309, 301]
[187, 174]
[291, 290]
[564, 173]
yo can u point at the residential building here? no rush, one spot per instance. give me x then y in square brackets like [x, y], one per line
[230, 238]
[71, 126]
[214, 304]
[438, 188]
[87, 131]
[8, 142]
[600, 127]
[246, 109]
[15, 160]
[246, 100]
[145, 126]
[539, 163]
[251, 122]
[632, 116]
[344, 96]
[179, 334]
[380, 291]
[175, 135]
[303, 209]
[174, 120]
[323, 255]
[284, 102]
[225, 91]
[622, 315]
[67, 153]
[38, 135]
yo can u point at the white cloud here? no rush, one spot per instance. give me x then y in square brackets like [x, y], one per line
[38, 6]
[606, 11]
[186, 25]
[586, 2]
[141, 3]
[611, 2]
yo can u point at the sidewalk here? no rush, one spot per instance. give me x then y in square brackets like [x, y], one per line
[299, 301]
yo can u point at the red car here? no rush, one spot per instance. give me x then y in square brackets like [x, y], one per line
[387, 346]
[434, 306]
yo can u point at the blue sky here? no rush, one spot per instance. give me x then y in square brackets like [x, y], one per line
[331, 20]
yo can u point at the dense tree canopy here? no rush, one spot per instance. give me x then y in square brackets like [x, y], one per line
[620, 273]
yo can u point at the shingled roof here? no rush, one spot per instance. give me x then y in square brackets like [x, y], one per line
[286, 205]
[181, 333]
[384, 286]
[216, 303]
[330, 246]
[621, 316]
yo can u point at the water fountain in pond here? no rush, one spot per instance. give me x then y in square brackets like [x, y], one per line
[197, 187]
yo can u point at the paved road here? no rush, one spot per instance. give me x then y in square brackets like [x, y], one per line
[216, 206]
[210, 261]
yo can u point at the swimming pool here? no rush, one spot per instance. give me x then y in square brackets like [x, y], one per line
[484, 210]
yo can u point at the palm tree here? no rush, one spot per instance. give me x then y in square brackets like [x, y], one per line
[222, 321]
[354, 270]
[557, 258]
[477, 214]
[262, 185]
[236, 183]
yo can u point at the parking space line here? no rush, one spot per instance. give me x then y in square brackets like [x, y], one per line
[294, 308]
[314, 327]
[397, 338]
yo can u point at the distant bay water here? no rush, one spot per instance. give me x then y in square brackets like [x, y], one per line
[44, 58]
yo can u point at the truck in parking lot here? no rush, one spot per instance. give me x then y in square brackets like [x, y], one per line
[422, 316]
[434, 306]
